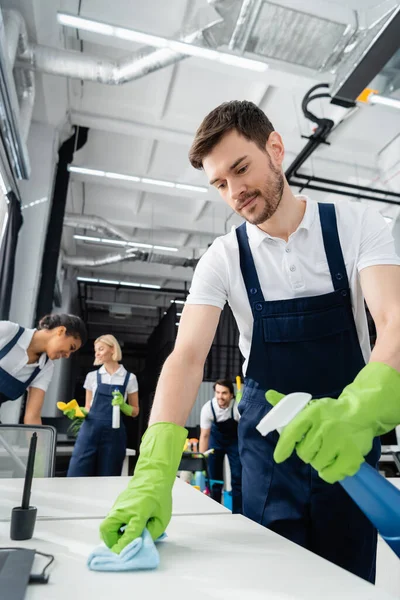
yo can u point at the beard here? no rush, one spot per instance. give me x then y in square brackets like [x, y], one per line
[269, 196]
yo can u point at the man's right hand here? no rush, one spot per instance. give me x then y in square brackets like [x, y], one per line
[147, 501]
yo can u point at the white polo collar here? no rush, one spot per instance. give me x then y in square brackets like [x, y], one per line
[24, 342]
[257, 236]
[119, 371]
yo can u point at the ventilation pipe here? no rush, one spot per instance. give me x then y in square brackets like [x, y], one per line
[109, 259]
[95, 223]
[98, 224]
[131, 254]
[70, 63]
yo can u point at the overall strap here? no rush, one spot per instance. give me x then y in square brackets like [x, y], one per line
[34, 373]
[333, 249]
[247, 267]
[124, 386]
[213, 412]
[4, 351]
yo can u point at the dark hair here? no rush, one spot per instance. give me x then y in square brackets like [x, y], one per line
[74, 326]
[242, 115]
[225, 383]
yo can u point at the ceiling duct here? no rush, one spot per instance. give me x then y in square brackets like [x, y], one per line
[372, 49]
[98, 224]
[108, 259]
[95, 223]
[77, 65]
[293, 36]
[131, 254]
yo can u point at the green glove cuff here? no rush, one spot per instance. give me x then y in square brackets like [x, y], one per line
[127, 409]
[374, 397]
[161, 451]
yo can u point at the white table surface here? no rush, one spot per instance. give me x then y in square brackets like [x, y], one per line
[204, 557]
[92, 497]
[67, 449]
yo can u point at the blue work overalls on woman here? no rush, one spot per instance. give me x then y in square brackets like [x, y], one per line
[310, 345]
[224, 440]
[10, 387]
[99, 449]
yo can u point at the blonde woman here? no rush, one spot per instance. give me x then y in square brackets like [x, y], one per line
[100, 449]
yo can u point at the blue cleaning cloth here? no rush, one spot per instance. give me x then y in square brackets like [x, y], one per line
[139, 554]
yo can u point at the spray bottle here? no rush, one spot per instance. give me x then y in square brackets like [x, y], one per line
[375, 495]
[116, 415]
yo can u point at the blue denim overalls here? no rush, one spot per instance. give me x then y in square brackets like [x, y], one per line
[310, 345]
[224, 440]
[10, 387]
[99, 449]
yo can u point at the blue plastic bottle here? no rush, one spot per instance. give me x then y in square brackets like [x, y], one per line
[379, 500]
[376, 496]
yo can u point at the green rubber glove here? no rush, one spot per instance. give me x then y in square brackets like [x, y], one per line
[335, 435]
[147, 501]
[119, 400]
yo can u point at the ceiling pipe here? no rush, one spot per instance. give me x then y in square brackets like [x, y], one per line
[109, 259]
[70, 63]
[247, 14]
[95, 223]
[131, 254]
[98, 224]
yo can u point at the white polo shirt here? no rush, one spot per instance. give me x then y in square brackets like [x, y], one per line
[116, 378]
[294, 269]
[15, 362]
[221, 414]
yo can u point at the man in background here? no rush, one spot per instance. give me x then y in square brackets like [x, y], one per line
[219, 431]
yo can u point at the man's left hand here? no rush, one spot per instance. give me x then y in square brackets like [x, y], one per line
[325, 437]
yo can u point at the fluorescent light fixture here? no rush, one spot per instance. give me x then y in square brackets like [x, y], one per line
[129, 283]
[96, 240]
[139, 245]
[123, 33]
[88, 279]
[169, 248]
[115, 242]
[121, 176]
[158, 182]
[141, 285]
[177, 324]
[136, 179]
[178, 314]
[177, 301]
[126, 283]
[87, 238]
[85, 171]
[190, 188]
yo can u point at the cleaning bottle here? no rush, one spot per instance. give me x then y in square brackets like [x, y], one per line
[116, 415]
[376, 496]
